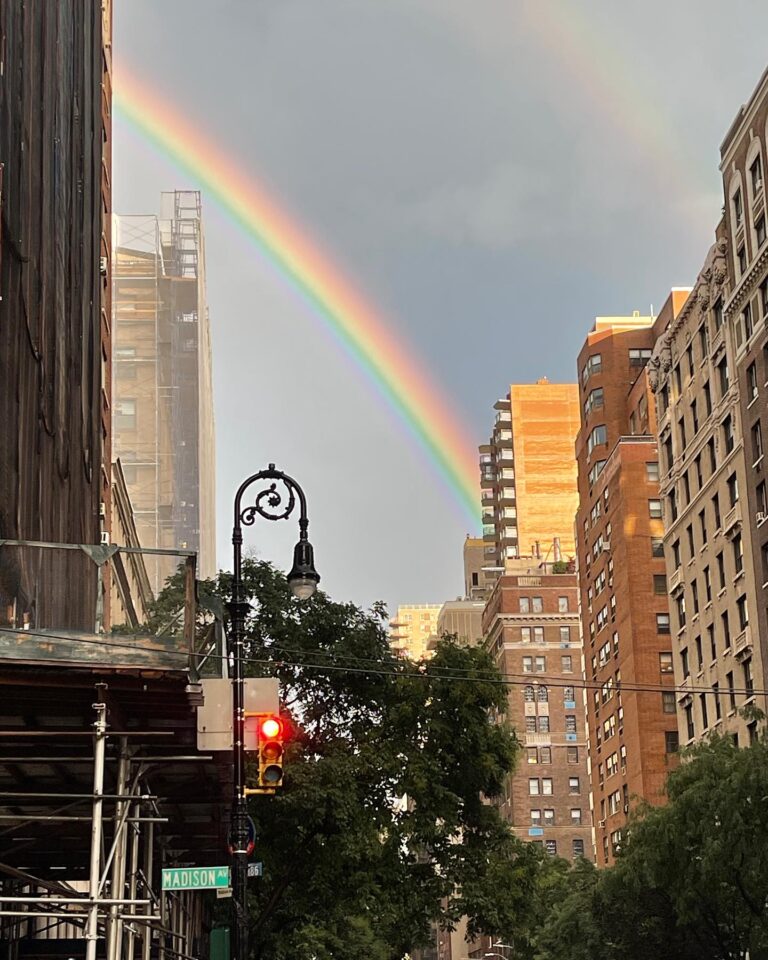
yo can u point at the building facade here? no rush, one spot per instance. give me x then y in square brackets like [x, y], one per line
[413, 629]
[743, 164]
[531, 626]
[163, 395]
[55, 195]
[462, 619]
[476, 587]
[623, 594]
[528, 476]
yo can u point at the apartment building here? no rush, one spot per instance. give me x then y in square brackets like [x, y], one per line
[703, 477]
[462, 619]
[528, 476]
[413, 628]
[743, 165]
[476, 587]
[632, 724]
[531, 625]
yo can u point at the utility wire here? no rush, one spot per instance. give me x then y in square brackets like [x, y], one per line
[422, 671]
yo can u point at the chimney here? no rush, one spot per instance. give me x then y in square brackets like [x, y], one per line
[556, 552]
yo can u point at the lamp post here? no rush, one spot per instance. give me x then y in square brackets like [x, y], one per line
[272, 503]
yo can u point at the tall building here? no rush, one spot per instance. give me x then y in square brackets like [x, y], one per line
[531, 626]
[55, 464]
[413, 629]
[623, 593]
[476, 586]
[528, 476]
[163, 395]
[743, 165]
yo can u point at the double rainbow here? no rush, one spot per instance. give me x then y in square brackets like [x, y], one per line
[353, 323]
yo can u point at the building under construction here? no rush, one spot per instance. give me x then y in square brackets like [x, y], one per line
[163, 403]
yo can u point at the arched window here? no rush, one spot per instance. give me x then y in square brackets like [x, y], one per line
[529, 695]
[543, 695]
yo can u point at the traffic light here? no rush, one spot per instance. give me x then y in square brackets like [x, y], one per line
[270, 732]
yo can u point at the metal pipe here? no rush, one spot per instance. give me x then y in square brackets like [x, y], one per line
[74, 796]
[132, 880]
[99, 750]
[122, 809]
[146, 940]
[107, 901]
[55, 819]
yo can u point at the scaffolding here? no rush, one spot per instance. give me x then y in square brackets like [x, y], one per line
[102, 785]
[163, 430]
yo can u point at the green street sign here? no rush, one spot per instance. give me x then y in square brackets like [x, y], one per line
[195, 878]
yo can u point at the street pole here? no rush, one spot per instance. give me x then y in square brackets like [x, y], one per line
[271, 504]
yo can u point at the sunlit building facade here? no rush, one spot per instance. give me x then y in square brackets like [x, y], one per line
[413, 629]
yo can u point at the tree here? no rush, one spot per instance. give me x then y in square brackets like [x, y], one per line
[692, 877]
[381, 827]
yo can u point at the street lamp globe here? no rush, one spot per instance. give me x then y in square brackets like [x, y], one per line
[303, 578]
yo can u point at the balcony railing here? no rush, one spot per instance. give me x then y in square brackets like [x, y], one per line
[732, 519]
[742, 645]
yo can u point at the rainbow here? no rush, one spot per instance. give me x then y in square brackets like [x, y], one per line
[592, 61]
[354, 324]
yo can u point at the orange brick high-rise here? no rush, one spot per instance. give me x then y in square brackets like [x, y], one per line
[623, 593]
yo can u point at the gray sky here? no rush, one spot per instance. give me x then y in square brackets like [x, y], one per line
[492, 174]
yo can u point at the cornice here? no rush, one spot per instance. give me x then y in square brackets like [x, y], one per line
[746, 284]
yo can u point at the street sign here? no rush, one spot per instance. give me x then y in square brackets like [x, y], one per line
[223, 893]
[195, 878]
[255, 869]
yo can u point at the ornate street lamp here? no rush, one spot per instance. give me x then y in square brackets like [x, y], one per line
[272, 503]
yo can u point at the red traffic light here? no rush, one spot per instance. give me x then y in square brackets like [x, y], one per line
[271, 728]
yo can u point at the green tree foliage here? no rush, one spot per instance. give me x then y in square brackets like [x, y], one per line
[380, 828]
[692, 878]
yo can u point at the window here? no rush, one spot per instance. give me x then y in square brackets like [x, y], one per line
[738, 553]
[125, 414]
[654, 509]
[703, 526]
[532, 755]
[717, 313]
[652, 471]
[562, 604]
[743, 612]
[684, 665]
[546, 786]
[529, 695]
[712, 455]
[689, 358]
[578, 848]
[690, 729]
[756, 175]
[712, 641]
[694, 417]
[662, 623]
[731, 691]
[741, 257]
[665, 663]
[716, 510]
[566, 664]
[746, 317]
[594, 401]
[597, 469]
[572, 754]
[762, 499]
[681, 428]
[543, 724]
[657, 547]
[525, 605]
[545, 755]
[565, 634]
[746, 669]
[543, 694]
[671, 741]
[733, 490]
[549, 817]
[541, 664]
[525, 634]
[723, 376]
[725, 623]
[576, 816]
[704, 340]
[538, 606]
[538, 634]
[598, 437]
[699, 657]
[551, 847]
[570, 723]
[639, 357]
[527, 664]
[708, 398]
[760, 232]
[668, 704]
[533, 787]
[659, 583]
[672, 502]
[530, 724]
[686, 488]
[751, 382]
[536, 818]
[707, 585]
[699, 473]
[757, 444]
[574, 785]
[593, 365]
[691, 540]
[716, 697]
[738, 208]
[728, 437]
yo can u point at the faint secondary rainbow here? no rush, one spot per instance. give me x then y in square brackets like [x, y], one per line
[354, 324]
[581, 47]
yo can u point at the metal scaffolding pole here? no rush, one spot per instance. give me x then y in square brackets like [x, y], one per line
[99, 750]
[132, 878]
[149, 839]
[119, 844]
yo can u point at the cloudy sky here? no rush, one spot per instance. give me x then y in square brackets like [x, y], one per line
[489, 174]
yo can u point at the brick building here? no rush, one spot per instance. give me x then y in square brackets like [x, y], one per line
[623, 594]
[531, 625]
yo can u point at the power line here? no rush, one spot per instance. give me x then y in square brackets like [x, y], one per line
[422, 671]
